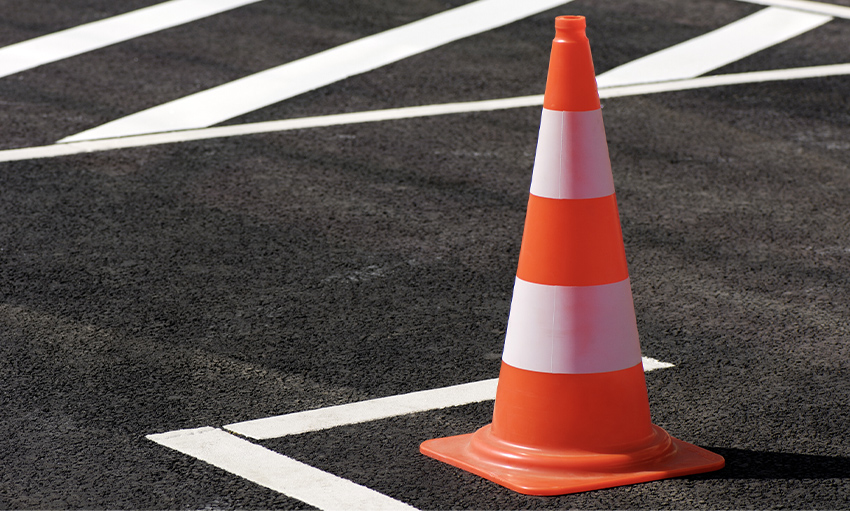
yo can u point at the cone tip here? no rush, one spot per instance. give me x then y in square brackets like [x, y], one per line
[571, 82]
[569, 28]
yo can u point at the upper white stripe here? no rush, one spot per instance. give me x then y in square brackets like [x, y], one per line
[572, 329]
[572, 156]
[715, 49]
[98, 34]
[276, 84]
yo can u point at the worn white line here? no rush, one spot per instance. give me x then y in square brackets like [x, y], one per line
[66, 149]
[259, 90]
[276, 471]
[715, 49]
[838, 11]
[381, 408]
[98, 34]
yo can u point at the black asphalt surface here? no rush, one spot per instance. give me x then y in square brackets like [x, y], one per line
[203, 283]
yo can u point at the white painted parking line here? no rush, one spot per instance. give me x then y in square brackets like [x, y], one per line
[98, 34]
[776, 75]
[303, 482]
[276, 471]
[55, 150]
[686, 60]
[363, 411]
[650, 364]
[715, 49]
[259, 90]
[381, 408]
[838, 11]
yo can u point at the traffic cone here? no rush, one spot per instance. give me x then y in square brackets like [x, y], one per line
[571, 411]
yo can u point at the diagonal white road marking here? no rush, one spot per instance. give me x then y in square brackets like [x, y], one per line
[259, 90]
[98, 34]
[839, 11]
[686, 60]
[276, 471]
[55, 150]
[715, 49]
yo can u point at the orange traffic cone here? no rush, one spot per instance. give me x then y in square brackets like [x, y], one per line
[571, 412]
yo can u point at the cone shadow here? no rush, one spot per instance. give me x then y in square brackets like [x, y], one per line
[746, 464]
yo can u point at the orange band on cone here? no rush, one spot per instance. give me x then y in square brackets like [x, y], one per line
[572, 242]
[599, 412]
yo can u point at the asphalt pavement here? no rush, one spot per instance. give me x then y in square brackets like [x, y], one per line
[201, 283]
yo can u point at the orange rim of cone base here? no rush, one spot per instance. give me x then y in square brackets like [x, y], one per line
[543, 472]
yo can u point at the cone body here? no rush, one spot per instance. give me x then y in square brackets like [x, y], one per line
[571, 411]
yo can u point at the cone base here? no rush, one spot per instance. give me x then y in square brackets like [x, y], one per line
[540, 472]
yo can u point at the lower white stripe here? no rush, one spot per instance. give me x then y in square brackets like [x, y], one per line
[572, 156]
[572, 329]
[272, 470]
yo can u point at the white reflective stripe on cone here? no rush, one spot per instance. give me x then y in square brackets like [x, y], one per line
[572, 159]
[572, 329]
